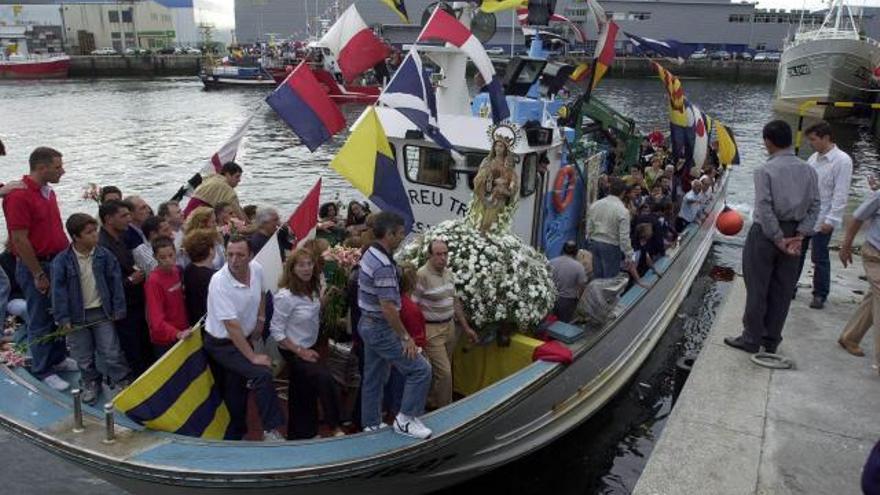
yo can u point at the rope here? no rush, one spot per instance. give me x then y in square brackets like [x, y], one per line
[772, 361]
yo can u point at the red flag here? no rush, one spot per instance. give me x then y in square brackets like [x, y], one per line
[354, 44]
[304, 220]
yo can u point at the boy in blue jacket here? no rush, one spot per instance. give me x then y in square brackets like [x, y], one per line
[87, 297]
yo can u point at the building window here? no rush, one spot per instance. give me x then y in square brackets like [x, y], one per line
[113, 15]
[429, 166]
[127, 15]
[739, 18]
[639, 16]
[761, 46]
[154, 17]
[116, 36]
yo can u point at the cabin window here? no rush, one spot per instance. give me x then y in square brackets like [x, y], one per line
[529, 180]
[429, 166]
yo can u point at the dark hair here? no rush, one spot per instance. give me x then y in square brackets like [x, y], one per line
[43, 156]
[108, 190]
[616, 186]
[820, 129]
[218, 209]
[431, 245]
[198, 244]
[778, 132]
[570, 248]
[325, 209]
[249, 211]
[238, 238]
[78, 222]
[385, 223]
[163, 208]
[151, 225]
[112, 207]
[350, 219]
[161, 242]
[230, 168]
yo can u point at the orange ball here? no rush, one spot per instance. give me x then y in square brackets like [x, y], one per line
[729, 222]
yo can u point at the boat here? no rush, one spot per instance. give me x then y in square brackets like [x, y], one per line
[34, 67]
[523, 408]
[833, 62]
[225, 76]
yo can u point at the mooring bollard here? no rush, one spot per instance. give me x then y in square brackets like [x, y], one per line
[77, 411]
[109, 423]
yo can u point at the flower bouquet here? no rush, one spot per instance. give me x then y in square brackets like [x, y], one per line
[339, 261]
[504, 285]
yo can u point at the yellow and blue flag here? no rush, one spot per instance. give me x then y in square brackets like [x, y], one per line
[367, 162]
[399, 8]
[178, 394]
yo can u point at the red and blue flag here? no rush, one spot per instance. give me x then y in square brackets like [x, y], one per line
[303, 104]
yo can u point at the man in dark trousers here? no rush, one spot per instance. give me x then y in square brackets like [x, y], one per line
[786, 210]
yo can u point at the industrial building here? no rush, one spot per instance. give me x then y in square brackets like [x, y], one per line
[710, 24]
[121, 24]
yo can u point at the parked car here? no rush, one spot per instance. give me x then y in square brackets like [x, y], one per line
[744, 56]
[774, 56]
[699, 55]
[137, 51]
[169, 50]
[761, 57]
[104, 51]
[495, 51]
[192, 51]
[720, 55]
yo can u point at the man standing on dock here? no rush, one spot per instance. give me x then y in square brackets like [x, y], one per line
[786, 210]
[834, 168]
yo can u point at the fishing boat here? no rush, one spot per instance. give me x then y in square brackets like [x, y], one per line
[833, 62]
[34, 67]
[524, 407]
[226, 76]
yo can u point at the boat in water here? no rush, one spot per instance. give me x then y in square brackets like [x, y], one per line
[34, 67]
[524, 406]
[225, 76]
[833, 62]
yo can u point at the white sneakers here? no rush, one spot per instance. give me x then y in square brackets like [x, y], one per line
[411, 426]
[56, 382]
[378, 427]
[272, 436]
[69, 364]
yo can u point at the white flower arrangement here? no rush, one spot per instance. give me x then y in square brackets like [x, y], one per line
[499, 279]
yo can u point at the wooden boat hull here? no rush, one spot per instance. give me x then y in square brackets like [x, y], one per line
[494, 426]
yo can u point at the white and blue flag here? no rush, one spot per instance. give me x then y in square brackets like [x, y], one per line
[410, 92]
[671, 49]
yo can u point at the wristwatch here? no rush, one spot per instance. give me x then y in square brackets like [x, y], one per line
[405, 337]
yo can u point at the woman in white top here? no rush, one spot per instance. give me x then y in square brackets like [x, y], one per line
[295, 323]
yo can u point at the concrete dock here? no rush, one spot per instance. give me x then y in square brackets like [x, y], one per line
[738, 428]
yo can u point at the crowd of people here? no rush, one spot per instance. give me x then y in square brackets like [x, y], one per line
[122, 289]
[635, 220]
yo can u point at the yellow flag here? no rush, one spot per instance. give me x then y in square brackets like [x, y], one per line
[492, 6]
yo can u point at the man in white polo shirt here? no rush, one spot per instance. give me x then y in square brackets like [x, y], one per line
[236, 311]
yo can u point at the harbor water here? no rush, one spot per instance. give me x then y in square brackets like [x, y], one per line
[148, 136]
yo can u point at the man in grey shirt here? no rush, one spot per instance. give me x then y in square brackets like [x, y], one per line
[786, 210]
[570, 278]
[868, 313]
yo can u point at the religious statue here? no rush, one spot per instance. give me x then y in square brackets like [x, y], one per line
[496, 186]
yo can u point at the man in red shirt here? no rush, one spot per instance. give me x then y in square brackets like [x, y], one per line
[37, 235]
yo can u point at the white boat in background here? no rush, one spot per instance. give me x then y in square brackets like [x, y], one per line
[833, 62]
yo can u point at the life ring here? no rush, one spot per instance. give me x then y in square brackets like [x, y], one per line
[565, 173]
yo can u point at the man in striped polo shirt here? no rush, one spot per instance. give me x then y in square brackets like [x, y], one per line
[435, 295]
[386, 341]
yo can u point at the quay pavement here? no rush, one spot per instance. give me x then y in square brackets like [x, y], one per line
[738, 428]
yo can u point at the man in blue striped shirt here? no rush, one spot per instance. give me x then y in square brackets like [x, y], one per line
[386, 341]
